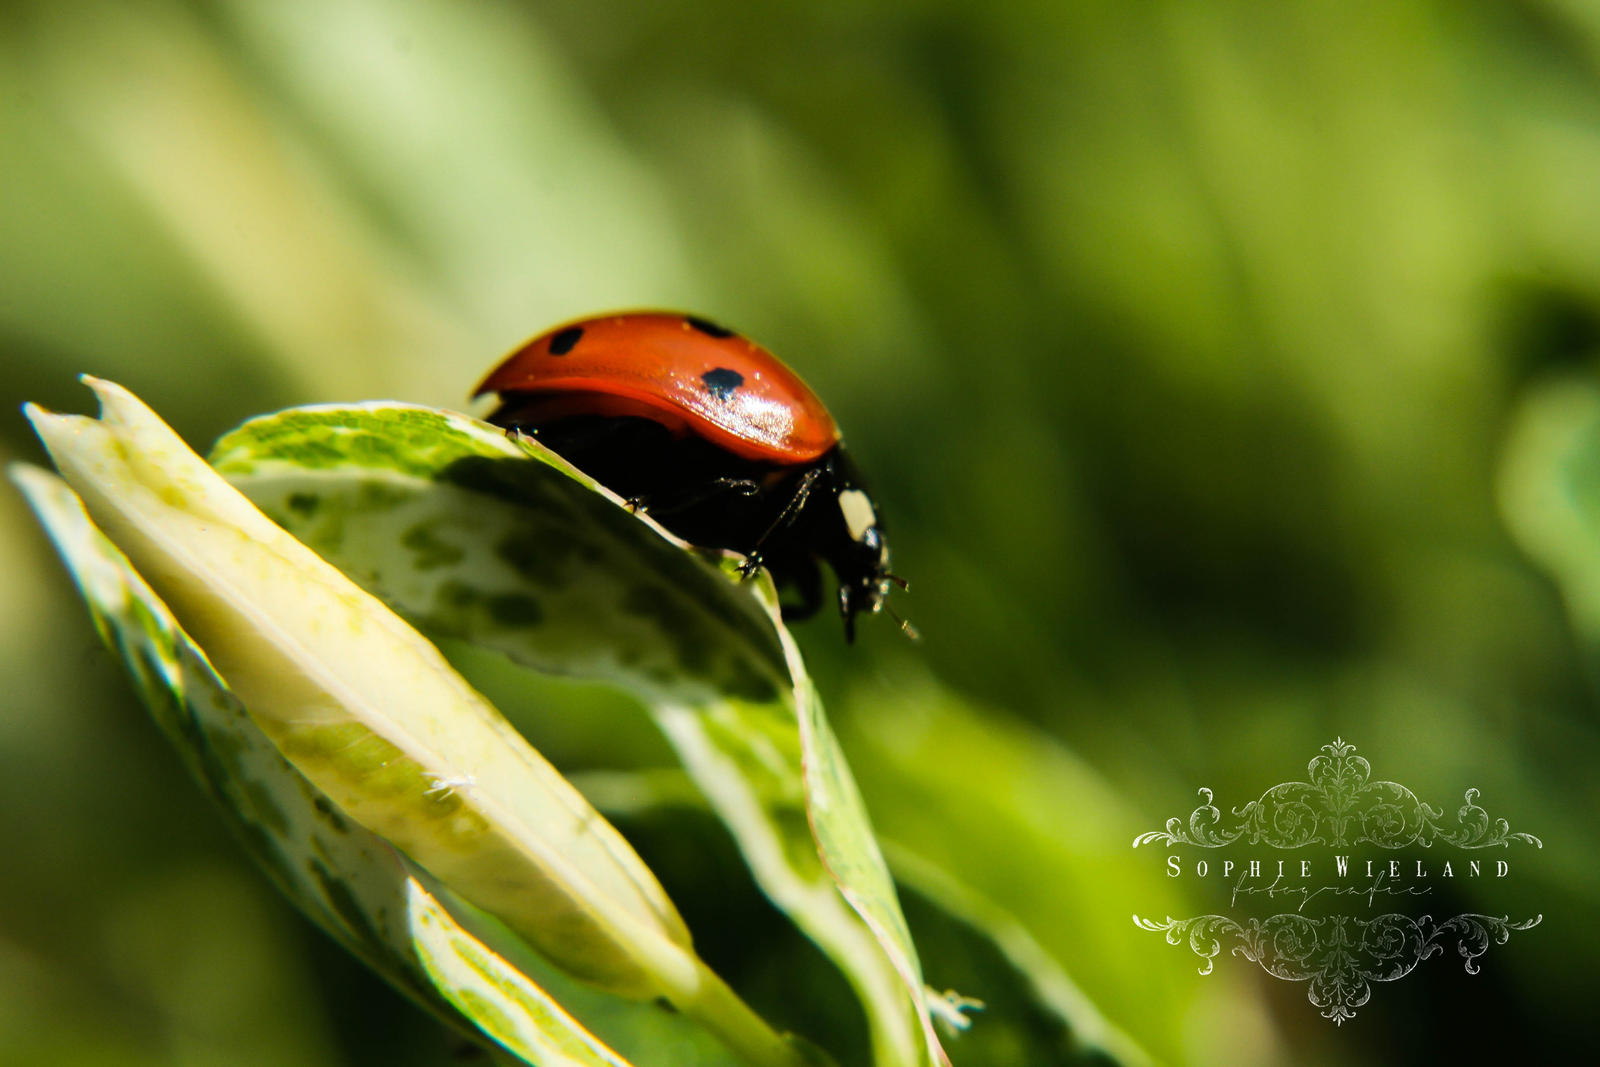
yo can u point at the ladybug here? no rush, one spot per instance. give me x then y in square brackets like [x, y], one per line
[712, 436]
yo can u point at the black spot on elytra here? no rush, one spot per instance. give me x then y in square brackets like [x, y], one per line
[721, 382]
[563, 341]
[710, 329]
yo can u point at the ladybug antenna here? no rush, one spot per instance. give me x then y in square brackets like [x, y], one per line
[905, 627]
[905, 586]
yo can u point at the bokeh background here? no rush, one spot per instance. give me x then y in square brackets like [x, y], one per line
[1206, 358]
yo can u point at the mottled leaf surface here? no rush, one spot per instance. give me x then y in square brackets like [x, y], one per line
[475, 535]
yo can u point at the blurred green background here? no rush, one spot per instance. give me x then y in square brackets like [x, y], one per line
[1218, 368]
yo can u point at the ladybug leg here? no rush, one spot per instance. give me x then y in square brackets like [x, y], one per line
[847, 609]
[668, 503]
[802, 493]
[742, 486]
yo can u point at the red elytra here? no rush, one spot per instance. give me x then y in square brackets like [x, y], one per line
[689, 375]
[716, 439]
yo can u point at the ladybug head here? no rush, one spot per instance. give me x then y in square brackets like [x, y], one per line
[862, 560]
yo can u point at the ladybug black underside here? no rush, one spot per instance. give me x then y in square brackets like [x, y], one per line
[783, 517]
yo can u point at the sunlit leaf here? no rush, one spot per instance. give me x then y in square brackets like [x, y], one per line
[475, 536]
[376, 719]
[347, 879]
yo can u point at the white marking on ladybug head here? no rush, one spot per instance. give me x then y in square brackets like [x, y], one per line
[859, 517]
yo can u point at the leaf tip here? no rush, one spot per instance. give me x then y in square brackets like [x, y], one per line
[55, 430]
[117, 404]
[35, 413]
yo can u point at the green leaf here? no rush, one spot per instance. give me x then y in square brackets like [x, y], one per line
[460, 526]
[367, 709]
[375, 718]
[990, 818]
[347, 879]
[1033, 1011]
[476, 536]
